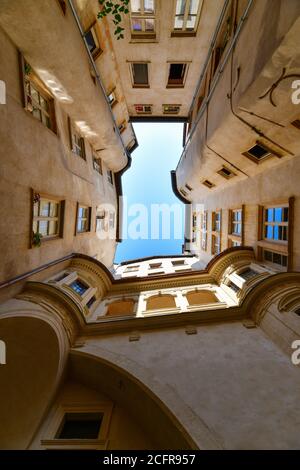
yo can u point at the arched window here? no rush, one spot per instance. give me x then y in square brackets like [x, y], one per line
[157, 302]
[121, 307]
[201, 297]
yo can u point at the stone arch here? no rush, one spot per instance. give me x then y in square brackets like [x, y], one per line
[36, 354]
[200, 297]
[155, 405]
[160, 301]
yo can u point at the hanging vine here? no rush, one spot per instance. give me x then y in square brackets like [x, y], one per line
[115, 9]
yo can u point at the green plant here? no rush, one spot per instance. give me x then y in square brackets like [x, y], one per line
[114, 8]
[27, 68]
[37, 239]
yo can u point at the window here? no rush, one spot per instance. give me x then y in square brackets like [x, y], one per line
[92, 41]
[121, 307]
[276, 221]
[177, 75]
[76, 141]
[204, 231]
[201, 297]
[171, 108]
[91, 302]
[235, 229]
[110, 177]
[188, 187]
[38, 100]
[47, 217]
[248, 273]
[142, 19]
[111, 220]
[97, 164]
[156, 273]
[83, 219]
[63, 6]
[234, 287]
[143, 108]
[275, 258]
[122, 127]
[80, 426]
[140, 75]
[131, 269]
[155, 265]
[183, 192]
[112, 99]
[216, 233]
[208, 184]
[179, 262]
[226, 173]
[259, 153]
[296, 123]
[187, 14]
[79, 287]
[234, 243]
[100, 220]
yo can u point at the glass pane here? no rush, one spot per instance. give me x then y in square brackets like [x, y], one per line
[53, 227]
[276, 258]
[43, 227]
[149, 6]
[149, 25]
[135, 6]
[180, 7]
[269, 215]
[44, 103]
[45, 120]
[191, 22]
[140, 73]
[268, 255]
[285, 233]
[269, 231]
[37, 113]
[44, 208]
[90, 41]
[276, 232]
[194, 4]
[284, 260]
[239, 215]
[35, 226]
[178, 24]
[35, 209]
[285, 214]
[53, 209]
[137, 24]
[278, 214]
[34, 94]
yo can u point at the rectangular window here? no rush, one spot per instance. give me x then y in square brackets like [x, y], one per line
[122, 127]
[100, 220]
[208, 184]
[216, 233]
[83, 219]
[79, 287]
[171, 108]
[91, 302]
[276, 220]
[180, 262]
[92, 41]
[236, 222]
[38, 100]
[47, 217]
[143, 108]
[259, 152]
[226, 173]
[112, 99]
[216, 221]
[215, 244]
[110, 177]
[97, 164]
[204, 231]
[248, 273]
[76, 141]
[140, 77]
[131, 269]
[187, 13]
[273, 257]
[155, 265]
[80, 426]
[177, 75]
[142, 15]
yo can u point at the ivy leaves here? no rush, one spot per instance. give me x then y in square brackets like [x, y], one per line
[114, 8]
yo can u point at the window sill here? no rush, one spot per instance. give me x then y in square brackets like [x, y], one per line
[183, 34]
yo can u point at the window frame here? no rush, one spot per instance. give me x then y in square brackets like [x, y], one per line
[93, 29]
[235, 238]
[203, 230]
[216, 231]
[184, 31]
[269, 153]
[36, 199]
[77, 142]
[110, 177]
[88, 218]
[182, 82]
[143, 17]
[132, 74]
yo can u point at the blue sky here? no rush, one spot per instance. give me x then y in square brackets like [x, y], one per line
[148, 182]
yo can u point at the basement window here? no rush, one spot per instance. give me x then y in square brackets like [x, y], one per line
[80, 426]
[171, 108]
[143, 108]
[259, 152]
[226, 173]
[208, 184]
[177, 75]
[140, 75]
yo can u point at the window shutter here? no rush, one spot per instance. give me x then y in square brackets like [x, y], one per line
[22, 79]
[229, 222]
[82, 145]
[260, 223]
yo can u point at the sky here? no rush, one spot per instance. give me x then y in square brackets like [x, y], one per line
[147, 182]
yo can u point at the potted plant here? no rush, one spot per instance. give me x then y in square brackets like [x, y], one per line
[37, 239]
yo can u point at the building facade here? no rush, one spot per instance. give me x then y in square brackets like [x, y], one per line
[187, 351]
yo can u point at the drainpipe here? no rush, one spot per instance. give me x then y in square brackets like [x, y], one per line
[98, 79]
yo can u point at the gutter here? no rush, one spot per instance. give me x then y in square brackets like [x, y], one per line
[175, 189]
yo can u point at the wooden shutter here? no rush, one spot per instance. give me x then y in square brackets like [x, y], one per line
[70, 132]
[22, 79]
